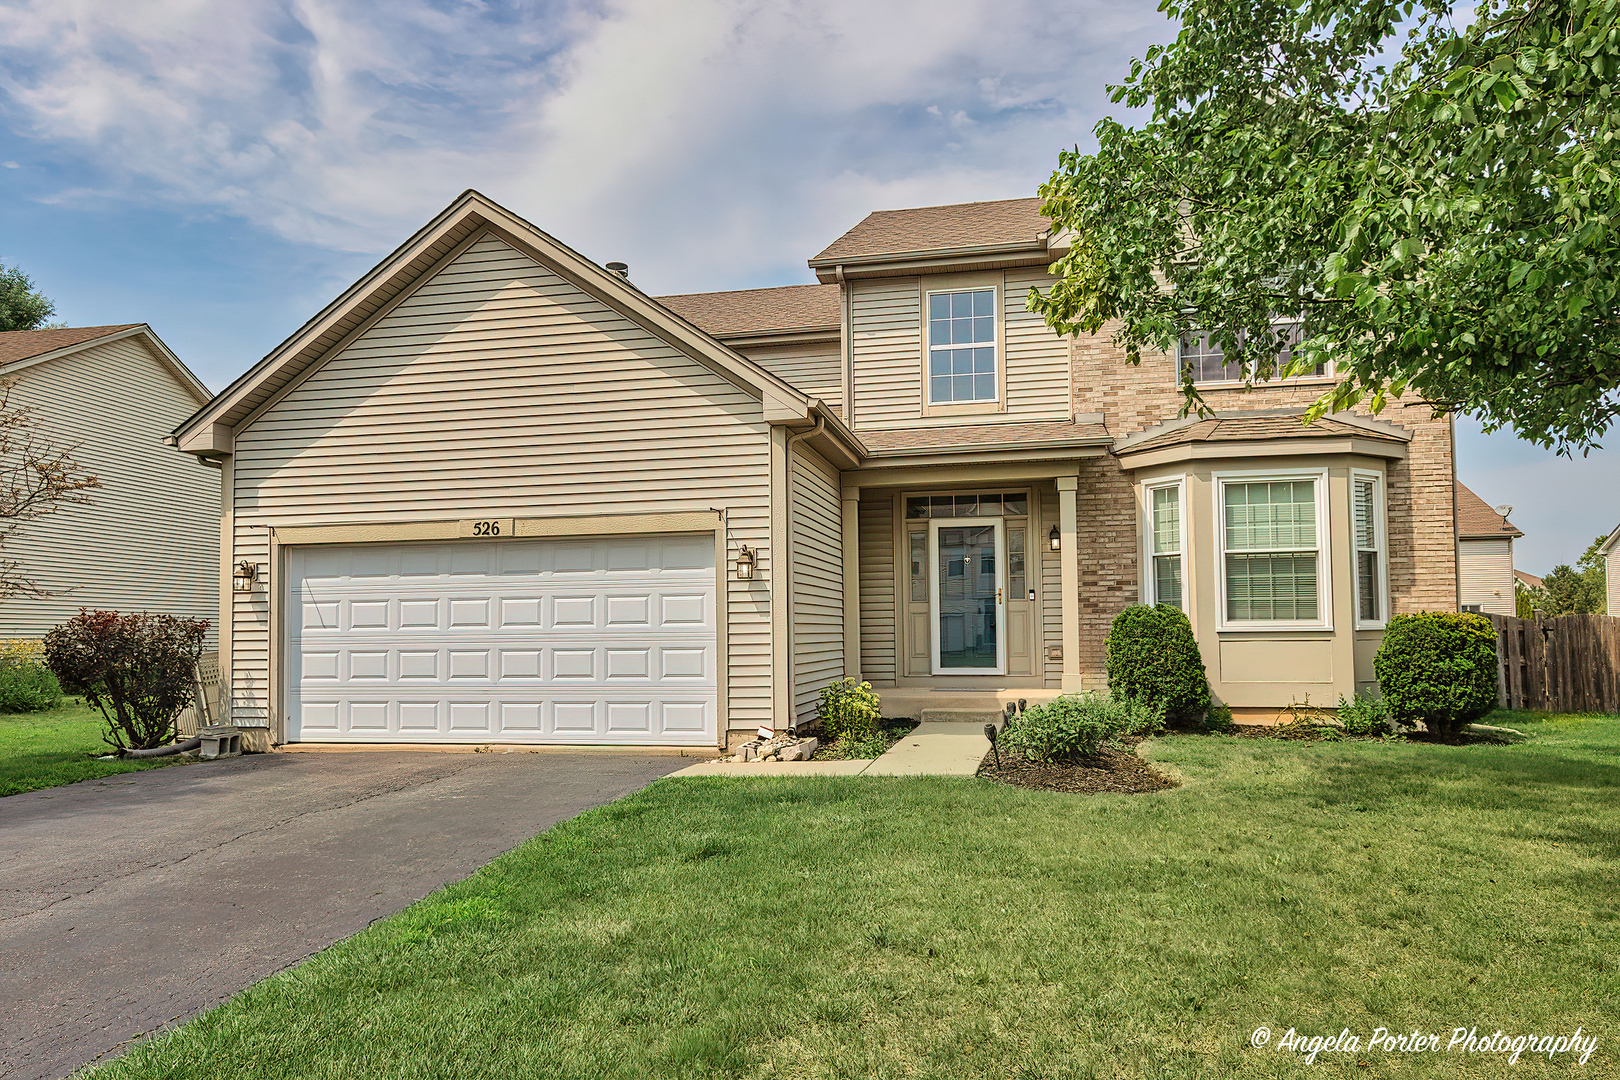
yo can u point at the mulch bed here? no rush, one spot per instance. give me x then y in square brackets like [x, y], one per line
[1118, 771]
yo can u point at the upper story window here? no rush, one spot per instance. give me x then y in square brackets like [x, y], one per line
[962, 346]
[1204, 360]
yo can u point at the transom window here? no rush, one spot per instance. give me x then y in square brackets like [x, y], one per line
[962, 346]
[1012, 504]
[1272, 551]
[1204, 360]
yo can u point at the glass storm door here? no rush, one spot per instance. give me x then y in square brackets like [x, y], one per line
[968, 557]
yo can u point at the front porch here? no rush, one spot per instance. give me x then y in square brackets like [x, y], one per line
[964, 583]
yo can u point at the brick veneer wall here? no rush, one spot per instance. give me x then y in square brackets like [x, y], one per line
[1421, 515]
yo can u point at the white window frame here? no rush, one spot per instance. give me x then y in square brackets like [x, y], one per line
[1150, 587]
[1379, 498]
[1225, 384]
[994, 345]
[1324, 562]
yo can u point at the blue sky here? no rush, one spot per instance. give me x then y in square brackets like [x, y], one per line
[223, 168]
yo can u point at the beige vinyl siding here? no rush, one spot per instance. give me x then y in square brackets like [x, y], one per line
[887, 331]
[1485, 575]
[877, 589]
[499, 389]
[817, 369]
[1037, 358]
[1051, 589]
[149, 538]
[1611, 575]
[818, 581]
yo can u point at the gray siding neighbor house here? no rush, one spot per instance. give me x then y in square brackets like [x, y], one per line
[148, 539]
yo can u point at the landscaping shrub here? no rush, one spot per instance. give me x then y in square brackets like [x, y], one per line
[848, 711]
[1153, 657]
[1438, 667]
[26, 684]
[1219, 719]
[1079, 726]
[1363, 715]
[137, 669]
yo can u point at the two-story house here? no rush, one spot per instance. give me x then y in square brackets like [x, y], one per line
[494, 492]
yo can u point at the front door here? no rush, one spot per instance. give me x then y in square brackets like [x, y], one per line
[968, 557]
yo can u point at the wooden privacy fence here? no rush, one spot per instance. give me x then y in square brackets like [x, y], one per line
[1567, 664]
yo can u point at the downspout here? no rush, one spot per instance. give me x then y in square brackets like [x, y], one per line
[787, 563]
[846, 344]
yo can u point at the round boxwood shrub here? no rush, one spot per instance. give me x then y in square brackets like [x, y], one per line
[1153, 657]
[1438, 667]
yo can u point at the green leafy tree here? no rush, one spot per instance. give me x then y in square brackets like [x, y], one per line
[22, 307]
[1577, 590]
[1432, 199]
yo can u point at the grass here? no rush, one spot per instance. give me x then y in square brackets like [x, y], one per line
[861, 927]
[57, 746]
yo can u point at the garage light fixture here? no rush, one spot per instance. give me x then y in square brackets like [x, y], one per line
[1055, 539]
[245, 577]
[746, 559]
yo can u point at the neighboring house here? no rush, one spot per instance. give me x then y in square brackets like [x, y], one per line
[1485, 575]
[1527, 581]
[495, 492]
[148, 540]
[1611, 570]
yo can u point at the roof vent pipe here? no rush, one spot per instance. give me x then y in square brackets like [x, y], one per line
[622, 269]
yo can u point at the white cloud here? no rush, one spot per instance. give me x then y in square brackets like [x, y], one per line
[707, 142]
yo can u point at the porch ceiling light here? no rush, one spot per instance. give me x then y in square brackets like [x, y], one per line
[1055, 538]
[745, 563]
[245, 576]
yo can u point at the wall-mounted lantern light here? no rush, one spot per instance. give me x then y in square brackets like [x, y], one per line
[745, 563]
[1055, 539]
[245, 576]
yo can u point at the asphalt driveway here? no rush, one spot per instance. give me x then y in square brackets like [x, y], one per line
[139, 900]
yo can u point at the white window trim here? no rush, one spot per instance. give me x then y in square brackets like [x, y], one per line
[1328, 372]
[1324, 562]
[1379, 498]
[1149, 585]
[995, 345]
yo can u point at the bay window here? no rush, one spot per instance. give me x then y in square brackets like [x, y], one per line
[1273, 558]
[1368, 511]
[1165, 575]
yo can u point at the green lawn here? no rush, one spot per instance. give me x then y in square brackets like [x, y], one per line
[863, 927]
[57, 746]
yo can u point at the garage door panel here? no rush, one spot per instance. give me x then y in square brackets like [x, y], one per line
[482, 640]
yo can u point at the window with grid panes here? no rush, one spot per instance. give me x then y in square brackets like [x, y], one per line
[962, 346]
[1270, 542]
[1166, 529]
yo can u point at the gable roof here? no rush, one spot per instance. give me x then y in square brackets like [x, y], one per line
[21, 349]
[456, 227]
[744, 312]
[1529, 580]
[936, 230]
[26, 344]
[1477, 521]
[1612, 543]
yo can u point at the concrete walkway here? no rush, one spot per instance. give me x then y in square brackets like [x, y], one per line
[935, 748]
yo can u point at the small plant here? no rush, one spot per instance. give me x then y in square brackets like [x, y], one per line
[1219, 719]
[26, 684]
[1438, 667]
[1079, 726]
[137, 669]
[1153, 657]
[1363, 716]
[848, 711]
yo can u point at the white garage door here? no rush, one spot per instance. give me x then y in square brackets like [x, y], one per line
[544, 641]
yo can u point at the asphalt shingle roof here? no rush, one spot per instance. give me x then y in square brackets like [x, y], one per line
[1238, 428]
[23, 344]
[940, 228]
[755, 311]
[1475, 519]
